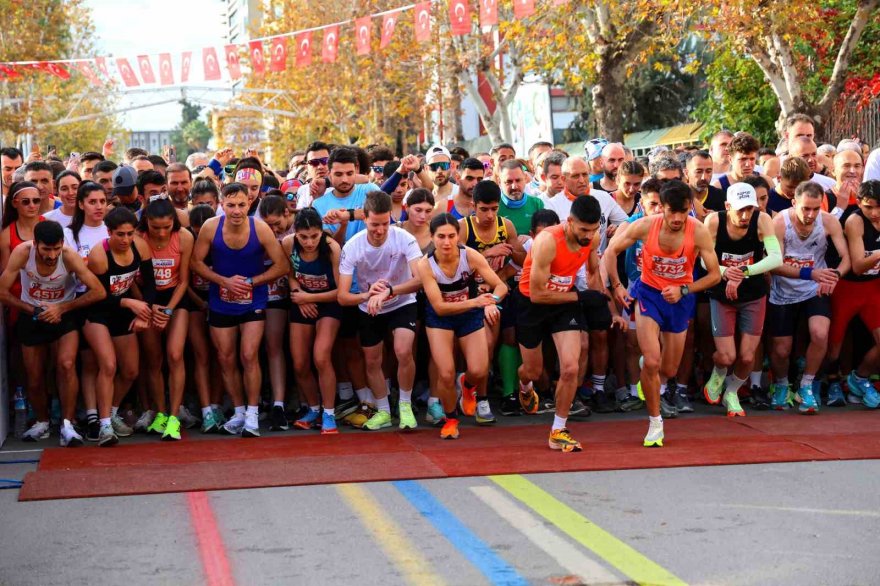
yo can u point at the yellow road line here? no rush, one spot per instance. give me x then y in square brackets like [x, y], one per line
[401, 551]
[614, 551]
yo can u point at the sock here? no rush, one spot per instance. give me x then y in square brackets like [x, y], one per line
[508, 362]
[755, 378]
[278, 404]
[91, 415]
[207, 411]
[682, 388]
[383, 405]
[719, 372]
[105, 421]
[658, 419]
[526, 387]
[364, 395]
[331, 412]
[114, 411]
[345, 391]
[598, 381]
[314, 408]
[782, 381]
[662, 389]
[432, 401]
[558, 422]
[807, 379]
[855, 374]
[215, 406]
[239, 412]
[405, 396]
[634, 390]
[733, 383]
[388, 384]
[251, 410]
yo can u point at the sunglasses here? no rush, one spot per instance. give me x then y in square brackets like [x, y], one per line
[229, 169]
[487, 164]
[35, 201]
[378, 169]
[438, 166]
[320, 161]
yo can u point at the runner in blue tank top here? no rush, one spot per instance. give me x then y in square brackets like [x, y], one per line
[237, 297]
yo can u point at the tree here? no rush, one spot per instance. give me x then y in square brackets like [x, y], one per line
[191, 134]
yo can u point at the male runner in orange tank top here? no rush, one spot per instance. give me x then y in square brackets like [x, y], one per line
[664, 294]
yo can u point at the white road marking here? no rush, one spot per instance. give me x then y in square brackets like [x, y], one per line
[847, 512]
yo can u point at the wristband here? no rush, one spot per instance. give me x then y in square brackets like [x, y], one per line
[390, 291]
[249, 281]
[351, 215]
[167, 311]
[807, 274]
[496, 298]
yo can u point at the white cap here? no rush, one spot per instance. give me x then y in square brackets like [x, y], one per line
[593, 148]
[437, 149]
[741, 195]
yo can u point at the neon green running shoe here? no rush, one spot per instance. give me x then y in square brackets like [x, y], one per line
[639, 389]
[158, 425]
[712, 389]
[407, 419]
[379, 420]
[731, 401]
[172, 429]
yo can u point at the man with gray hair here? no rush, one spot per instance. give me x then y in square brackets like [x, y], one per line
[612, 157]
[666, 167]
[197, 160]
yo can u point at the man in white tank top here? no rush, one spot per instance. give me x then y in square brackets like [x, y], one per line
[48, 320]
[802, 286]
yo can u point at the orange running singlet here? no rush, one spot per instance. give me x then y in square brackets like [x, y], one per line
[661, 268]
[564, 267]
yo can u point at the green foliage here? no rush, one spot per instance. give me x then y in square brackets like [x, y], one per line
[191, 134]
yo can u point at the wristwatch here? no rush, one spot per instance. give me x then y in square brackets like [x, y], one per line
[685, 290]
[351, 215]
[745, 271]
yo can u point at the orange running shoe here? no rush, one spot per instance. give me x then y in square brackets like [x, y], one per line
[560, 439]
[450, 429]
[468, 401]
[528, 399]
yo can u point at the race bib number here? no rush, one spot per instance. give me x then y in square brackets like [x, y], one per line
[227, 296]
[875, 270]
[39, 293]
[560, 284]
[278, 289]
[639, 259]
[738, 261]
[455, 296]
[83, 251]
[314, 283]
[672, 269]
[200, 284]
[163, 271]
[798, 262]
[120, 284]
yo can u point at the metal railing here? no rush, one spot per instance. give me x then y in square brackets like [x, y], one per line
[848, 120]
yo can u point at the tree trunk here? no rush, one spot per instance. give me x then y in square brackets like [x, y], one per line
[608, 99]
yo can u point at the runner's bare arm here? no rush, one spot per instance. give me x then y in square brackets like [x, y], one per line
[11, 275]
[706, 249]
[435, 297]
[618, 245]
[344, 294]
[326, 296]
[855, 230]
[783, 270]
[543, 252]
[480, 265]
[835, 232]
[200, 252]
[186, 248]
[94, 290]
[273, 250]
[517, 253]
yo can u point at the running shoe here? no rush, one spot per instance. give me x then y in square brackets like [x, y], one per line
[780, 397]
[234, 425]
[484, 413]
[630, 404]
[435, 415]
[344, 408]
[528, 399]
[307, 421]
[187, 419]
[172, 429]
[328, 424]
[863, 389]
[251, 425]
[406, 417]
[144, 421]
[278, 419]
[158, 425]
[119, 426]
[578, 409]
[219, 417]
[69, 438]
[361, 416]
[808, 404]
[682, 402]
[450, 429]
[760, 398]
[560, 439]
[654, 438]
[601, 403]
[731, 401]
[836, 398]
[107, 437]
[547, 405]
[641, 393]
[713, 388]
[510, 406]
[38, 431]
[209, 423]
[379, 420]
[468, 401]
[871, 398]
[667, 407]
[93, 430]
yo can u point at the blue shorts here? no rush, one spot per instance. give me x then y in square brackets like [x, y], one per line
[671, 317]
[462, 324]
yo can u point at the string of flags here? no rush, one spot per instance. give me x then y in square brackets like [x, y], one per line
[268, 53]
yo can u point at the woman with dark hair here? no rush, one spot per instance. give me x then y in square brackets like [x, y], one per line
[315, 315]
[205, 191]
[21, 212]
[66, 184]
[419, 207]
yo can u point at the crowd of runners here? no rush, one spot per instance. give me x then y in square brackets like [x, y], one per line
[358, 288]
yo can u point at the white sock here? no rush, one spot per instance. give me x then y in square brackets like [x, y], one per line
[755, 378]
[733, 383]
[558, 422]
[383, 405]
[207, 411]
[364, 395]
[330, 412]
[405, 396]
[598, 381]
[662, 389]
[524, 388]
[432, 401]
[658, 419]
[252, 410]
[114, 411]
[239, 411]
[807, 379]
[105, 421]
[345, 391]
[634, 390]
[278, 404]
[314, 408]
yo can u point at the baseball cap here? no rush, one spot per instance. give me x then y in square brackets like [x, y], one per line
[741, 195]
[124, 180]
[593, 148]
[437, 149]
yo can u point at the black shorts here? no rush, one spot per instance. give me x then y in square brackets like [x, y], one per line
[283, 304]
[330, 309]
[783, 319]
[373, 329]
[537, 319]
[163, 298]
[32, 332]
[117, 320]
[349, 319]
[597, 317]
[510, 309]
[225, 320]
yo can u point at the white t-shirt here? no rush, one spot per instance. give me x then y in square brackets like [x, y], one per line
[89, 237]
[388, 262]
[304, 197]
[823, 180]
[872, 166]
[56, 216]
[612, 213]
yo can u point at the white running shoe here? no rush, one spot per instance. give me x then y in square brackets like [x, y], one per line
[119, 426]
[107, 437]
[251, 425]
[234, 425]
[38, 431]
[69, 437]
[654, 439]
[188, 420]
[144, 421]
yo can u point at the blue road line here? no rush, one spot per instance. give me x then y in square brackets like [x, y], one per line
[483, 557]
[19, 461]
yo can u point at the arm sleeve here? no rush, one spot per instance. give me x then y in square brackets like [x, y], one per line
[391, 183]
[148, 288]
[216, 167]
[771, 261]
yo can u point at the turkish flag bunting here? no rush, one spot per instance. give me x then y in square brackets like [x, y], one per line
[559, 2]
[146, 69]
[210, 64]
[126, 72]
[459, 17]
[232, 61]
[166, 73]
[330, 45]
[9, 72]
[488, 12]
[85, 68]
[101, 63]
[304, 49]
[258, 61]
[523, 8]
[279, 54]
[185, 65]
[423, 22]
[363, 28]
[388, 22]
[56, 69]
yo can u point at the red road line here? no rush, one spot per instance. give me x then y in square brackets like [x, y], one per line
[210, 542]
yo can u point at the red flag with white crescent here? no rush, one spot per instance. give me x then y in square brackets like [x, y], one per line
[388, 23]
[232, 63]
[126, 72]
[57, 69]
[279, 54]
[422, 24]
[258, 61]
[146, 69]
[362, 30]
[210, 64]
[488, 12]
[101, 64]
[523, 8]
[166, 73]
[330, 44]
[185, 66]
[304, 49]
[86, 70]
[459, 17]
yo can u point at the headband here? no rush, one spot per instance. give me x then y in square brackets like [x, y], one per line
[23, 189]
[249, 174]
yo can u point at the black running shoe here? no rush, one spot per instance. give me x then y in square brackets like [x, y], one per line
[510, 406]
[93, 430]
[600, 403]
[347, 407]
[278, 419]
[760, 398]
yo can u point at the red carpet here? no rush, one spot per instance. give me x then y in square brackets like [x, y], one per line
[308, 458]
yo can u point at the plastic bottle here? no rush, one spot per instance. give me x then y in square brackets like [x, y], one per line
[20, 413]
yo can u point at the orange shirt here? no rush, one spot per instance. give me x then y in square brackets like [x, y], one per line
[563, 268]
[660, 267]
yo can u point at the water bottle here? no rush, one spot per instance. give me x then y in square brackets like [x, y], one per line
[20, 413]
